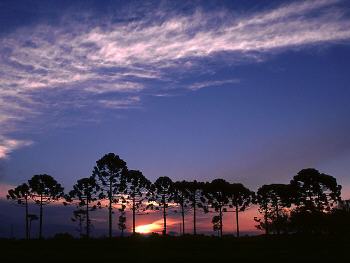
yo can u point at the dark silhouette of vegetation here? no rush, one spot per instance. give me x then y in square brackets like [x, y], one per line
[44, 189]
[137, 188]
[109, 172]
[162, 193]
[122, 222]
[85, 192]
[21, 194]
[241, 198]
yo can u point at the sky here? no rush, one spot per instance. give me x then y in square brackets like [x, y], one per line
[248, 91]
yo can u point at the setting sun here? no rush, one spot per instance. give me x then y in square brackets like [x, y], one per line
[148, 228]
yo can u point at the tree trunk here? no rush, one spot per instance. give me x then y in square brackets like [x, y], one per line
[237, 223]
[194, 214]
[183, 217]
[87, 219]
[220, 215]
[27, 228]
[277, 219]
[110, 210]
[266, 222]
[133, 215]
[164, 216]
[41, 217]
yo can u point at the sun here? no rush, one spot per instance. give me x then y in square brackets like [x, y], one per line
[148, 228]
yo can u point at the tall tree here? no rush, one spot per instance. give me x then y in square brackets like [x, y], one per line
[241, 198]
[197, 200]
[162, 193]
[137, 188]
[85, 192]
[218, 192]
[21, 194]
[109, 172]
[44, 190]
[315, 190]
[272, 199]
[181, 195]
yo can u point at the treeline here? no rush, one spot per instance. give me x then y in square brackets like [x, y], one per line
[310, 203]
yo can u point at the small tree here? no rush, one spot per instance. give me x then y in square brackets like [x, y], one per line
[162, 193]
[181, 195]
[137, 188]
[85, 192]
[79, 216]
[31, 218]
[44, 190]
[109, 172]
[21, 194]
[216, 224]
[122, 222]
[241, 198]
[218, 192]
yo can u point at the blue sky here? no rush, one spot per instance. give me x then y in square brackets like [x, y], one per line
[250, 91]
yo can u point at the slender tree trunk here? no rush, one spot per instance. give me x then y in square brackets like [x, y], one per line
[133, 215]
[110, 210]
[183, 217]
[27, 228]
[87, 219]
[277, 219]
[220, 215]
[194, 214]
[30, 228]
[237, 223]
[41, 217]
[266, 222]
[164, 216]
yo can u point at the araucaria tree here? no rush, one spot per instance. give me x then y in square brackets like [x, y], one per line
[240, 198]
[181, 198]
[85, 192]
[44, 190]
[315, 191]
[109, 172]
[217, 193]
[272, 199]
[162, 193]
[137, 188]
[21, 194]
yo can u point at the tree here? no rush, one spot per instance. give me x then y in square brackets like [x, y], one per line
[44, 190]
[216, 224]
[85, 192]
[197, 199]
[31, 218]
[122, 222]
[181, 194]
[241, 198]
[218, 192]
[79, 216]
[315, 190]
[21, 194]
[109, 172]
[137, 188]
[272, 199]
[162, 192]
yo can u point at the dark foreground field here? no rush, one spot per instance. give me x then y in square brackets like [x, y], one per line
[183, 249]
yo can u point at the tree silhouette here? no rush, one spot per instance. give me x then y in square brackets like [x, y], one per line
[218, 192]
[31, 218]
[44, 190]
[272, 199]
[216, 224]
[122, 222]
[108, 172]
[79, 216]
[315, 190]
[85, 191]
[162, 192]
[137, 188]
[241, 198]
[181, 198]
[21, 194]
[197, 200]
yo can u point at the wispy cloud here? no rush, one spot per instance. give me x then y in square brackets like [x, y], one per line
[212, 83]
[123, 57]
[8, 145]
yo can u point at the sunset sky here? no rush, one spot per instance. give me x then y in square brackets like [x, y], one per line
[248, 91]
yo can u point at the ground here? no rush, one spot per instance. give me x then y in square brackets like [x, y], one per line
[182, 249]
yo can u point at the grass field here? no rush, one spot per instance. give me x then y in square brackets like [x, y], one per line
[179, 249]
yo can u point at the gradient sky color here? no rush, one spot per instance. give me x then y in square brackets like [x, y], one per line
[248, 91]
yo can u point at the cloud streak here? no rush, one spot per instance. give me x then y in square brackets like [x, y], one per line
[94, 60]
